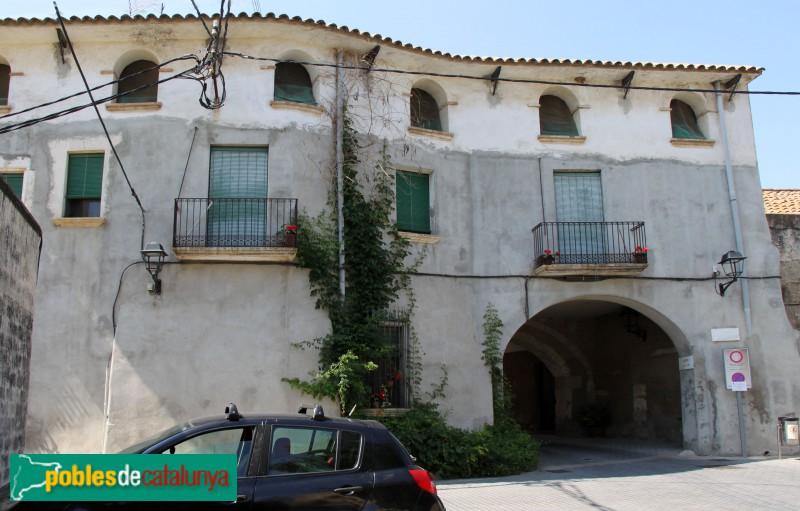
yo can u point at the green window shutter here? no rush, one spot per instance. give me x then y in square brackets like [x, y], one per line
[15, 182]
[684, 121]
[555, 117]
[292, 83]
[238, 173]
[413, 202]
[85, 176]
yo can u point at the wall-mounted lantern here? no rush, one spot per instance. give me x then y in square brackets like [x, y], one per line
[732, 264]
[153, 255]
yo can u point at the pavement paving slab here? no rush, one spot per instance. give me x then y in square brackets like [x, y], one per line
[622, 475]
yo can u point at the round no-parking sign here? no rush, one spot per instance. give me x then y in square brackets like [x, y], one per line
[737, 369]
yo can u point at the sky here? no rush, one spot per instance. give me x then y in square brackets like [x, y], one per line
[733, 32]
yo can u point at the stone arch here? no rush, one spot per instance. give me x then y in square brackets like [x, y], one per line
[567, 349]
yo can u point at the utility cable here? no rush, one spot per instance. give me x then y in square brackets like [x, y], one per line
[98, 87]
[31, 122]
[502, 79]
[100, 117]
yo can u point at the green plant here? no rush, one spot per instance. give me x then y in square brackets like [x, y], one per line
[375, 268]
[451, 452]
[340, 380]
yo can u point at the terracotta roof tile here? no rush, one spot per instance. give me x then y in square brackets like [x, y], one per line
[781, 201]
[399, 44]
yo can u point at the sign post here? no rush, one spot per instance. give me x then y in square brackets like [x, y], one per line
[737, 379]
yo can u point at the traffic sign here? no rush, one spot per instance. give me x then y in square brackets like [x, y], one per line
[737, 369]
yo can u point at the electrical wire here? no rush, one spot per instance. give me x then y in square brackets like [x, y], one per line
[501, 79]
[78, 108]
[100, 117]
[98, 87]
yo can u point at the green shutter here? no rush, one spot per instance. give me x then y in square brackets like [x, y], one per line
[292, 83]
[85, 176]
[555, 117]
[238, 173]
[15, 182]
[413, 202]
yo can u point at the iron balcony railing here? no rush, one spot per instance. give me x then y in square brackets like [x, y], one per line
[233, 222]
[589, 243]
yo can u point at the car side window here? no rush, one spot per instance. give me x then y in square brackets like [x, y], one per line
[238, 441]
[303, 450]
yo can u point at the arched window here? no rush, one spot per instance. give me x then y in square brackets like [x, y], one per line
[134, 76]
[292, 83]
[5, 76]
[684, 121]
[424, 111]
[555, 117]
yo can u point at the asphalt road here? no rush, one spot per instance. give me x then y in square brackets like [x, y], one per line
[616, 475]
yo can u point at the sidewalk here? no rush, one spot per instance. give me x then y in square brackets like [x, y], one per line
[620, 475]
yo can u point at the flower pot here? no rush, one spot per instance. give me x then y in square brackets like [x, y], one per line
[289, 240]
[639, 257]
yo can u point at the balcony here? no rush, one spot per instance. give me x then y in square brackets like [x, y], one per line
[589, 249]
[238, 230]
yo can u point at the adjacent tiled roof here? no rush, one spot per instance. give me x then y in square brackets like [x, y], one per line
[782, 201]
[379, 39]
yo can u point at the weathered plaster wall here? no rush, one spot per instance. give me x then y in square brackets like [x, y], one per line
[20, 238]
[224, 332]
[785, 231]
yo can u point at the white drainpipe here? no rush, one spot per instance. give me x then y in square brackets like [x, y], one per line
[737, 226]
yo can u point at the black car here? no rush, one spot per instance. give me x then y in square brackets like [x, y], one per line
[303, 461]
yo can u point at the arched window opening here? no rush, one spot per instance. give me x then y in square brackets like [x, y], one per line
[5, 77]
[684, 121]
[555, 117]
[292, 83]
[134, 81]
[424, 111]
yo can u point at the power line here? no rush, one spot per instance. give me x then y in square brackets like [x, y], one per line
[501, 79]
[102, 123]
[98, 87]
[31, 122]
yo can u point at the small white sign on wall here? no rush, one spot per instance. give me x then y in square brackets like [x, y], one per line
[725, 334]
[685, 363]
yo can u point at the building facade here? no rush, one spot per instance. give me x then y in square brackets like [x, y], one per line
[589, 202]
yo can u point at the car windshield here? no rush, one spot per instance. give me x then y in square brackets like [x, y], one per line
[147, 442]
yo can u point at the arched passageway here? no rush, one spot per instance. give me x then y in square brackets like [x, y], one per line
[593, 367]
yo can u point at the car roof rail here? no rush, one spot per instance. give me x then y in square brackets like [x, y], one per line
[232, 413]
[317, 413]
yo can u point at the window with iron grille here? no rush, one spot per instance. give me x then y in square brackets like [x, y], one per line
[389, 382]
[424, 111]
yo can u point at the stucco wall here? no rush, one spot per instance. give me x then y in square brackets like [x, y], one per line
[20, 238]
[130, 363]
[785, 231]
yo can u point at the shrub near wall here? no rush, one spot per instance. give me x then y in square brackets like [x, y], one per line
[452, 453]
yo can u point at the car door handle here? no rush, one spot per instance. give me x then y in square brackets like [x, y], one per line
[241, 498]
[348, 490]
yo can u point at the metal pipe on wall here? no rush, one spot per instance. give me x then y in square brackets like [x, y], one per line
[737, 227]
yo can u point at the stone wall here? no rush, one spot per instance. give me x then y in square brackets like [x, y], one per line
[785, 232]
[20, 244]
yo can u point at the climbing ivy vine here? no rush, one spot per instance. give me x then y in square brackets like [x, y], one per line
[376, 273]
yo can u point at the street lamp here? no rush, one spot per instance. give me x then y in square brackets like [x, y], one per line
[153, 255]
[732, 264]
